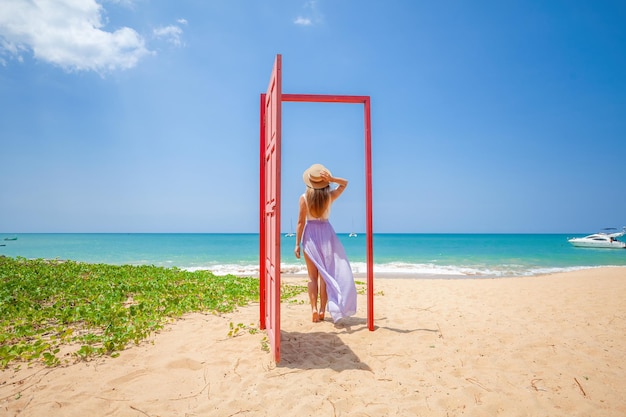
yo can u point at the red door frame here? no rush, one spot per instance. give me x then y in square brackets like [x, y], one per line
[365, 100]
[308, 98]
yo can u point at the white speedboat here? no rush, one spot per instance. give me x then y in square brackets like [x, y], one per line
[600, 240]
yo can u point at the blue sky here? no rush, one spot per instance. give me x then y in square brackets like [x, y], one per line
[142, 116]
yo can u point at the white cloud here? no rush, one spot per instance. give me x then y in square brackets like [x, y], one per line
[311, 15]
[171, 34]
[67, 33]
[303, 21]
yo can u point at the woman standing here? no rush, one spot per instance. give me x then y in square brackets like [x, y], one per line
[329, 271]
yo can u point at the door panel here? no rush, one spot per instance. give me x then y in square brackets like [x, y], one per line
[271, 226]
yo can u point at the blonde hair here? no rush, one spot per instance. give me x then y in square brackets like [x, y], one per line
[317, 200]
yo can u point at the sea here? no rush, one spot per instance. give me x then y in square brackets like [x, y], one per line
[395, 255]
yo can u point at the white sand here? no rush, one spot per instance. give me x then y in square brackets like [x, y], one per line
[540, 346]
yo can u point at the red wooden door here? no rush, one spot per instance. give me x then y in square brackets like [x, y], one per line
[270, 234]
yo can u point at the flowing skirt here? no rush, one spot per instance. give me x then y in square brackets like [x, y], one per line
[322, 246]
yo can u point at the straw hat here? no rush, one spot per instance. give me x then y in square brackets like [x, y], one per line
[312, 178]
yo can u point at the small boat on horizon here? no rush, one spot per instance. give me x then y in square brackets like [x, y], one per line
[352, 234]
[600, 240]
[11, 238]
[290, 234]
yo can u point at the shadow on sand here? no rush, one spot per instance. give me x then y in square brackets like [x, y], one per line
[317, 350]
[326, 350]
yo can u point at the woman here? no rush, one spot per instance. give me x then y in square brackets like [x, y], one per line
[329, 271]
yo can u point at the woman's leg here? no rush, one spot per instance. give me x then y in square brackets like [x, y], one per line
[313, 287]
[323, 297]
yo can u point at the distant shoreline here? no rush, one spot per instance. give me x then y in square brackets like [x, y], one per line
[436, 256]
[411, 276]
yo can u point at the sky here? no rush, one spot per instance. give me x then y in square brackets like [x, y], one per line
[140, 116]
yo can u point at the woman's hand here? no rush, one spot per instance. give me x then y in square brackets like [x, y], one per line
[297, 251]
[325, 176]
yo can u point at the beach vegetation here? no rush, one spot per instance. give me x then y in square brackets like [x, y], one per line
[265, 344]
[53, 311]
[240, 328]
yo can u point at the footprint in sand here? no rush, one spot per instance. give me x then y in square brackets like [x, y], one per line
[185, 363]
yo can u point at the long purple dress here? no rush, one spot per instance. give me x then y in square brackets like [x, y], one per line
[322, 246]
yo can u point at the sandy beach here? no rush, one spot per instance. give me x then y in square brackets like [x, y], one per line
[535, 346]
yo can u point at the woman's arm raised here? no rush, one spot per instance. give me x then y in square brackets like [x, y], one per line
[341, 182]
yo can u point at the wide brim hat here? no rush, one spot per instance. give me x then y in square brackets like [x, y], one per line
[312, 177]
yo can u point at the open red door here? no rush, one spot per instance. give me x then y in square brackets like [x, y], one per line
[270, 209]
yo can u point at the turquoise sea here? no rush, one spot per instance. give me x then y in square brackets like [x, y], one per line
[411, 255]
